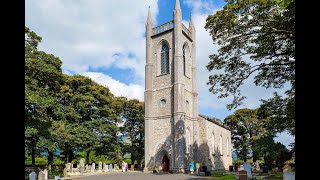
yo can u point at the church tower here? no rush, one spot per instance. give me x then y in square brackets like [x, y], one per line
[171, 99]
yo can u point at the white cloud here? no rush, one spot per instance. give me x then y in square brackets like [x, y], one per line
[87, 34]
[116, 87]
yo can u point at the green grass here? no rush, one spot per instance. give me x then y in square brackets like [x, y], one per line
[223, 177]
[55, 173]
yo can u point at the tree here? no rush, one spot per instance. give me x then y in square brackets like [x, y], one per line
[88, 114]
[274, 154]
[246, 130]
[133, 128]
[263, 31]
[43, 76]
[280, 111]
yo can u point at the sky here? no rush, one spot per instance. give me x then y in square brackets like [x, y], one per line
[105, 40]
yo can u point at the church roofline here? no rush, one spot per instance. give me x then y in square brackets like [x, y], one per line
[223, 126]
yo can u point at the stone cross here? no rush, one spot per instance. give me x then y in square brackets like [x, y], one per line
[100, 166]
[93, 167]
[32, 176]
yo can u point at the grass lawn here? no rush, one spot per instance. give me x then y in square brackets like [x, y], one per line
[219, 175]
[223, 177]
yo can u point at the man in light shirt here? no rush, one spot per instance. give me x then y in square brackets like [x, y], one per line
[247, 167]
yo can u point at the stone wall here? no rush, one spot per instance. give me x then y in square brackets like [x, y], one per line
[213, 157]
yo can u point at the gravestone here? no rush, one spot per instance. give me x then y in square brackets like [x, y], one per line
[32, 176]
[93, 167]
[87, 167]
[115, 166]
[100, 166]
[65, 172]
[45, 174]
[41, 175]
[78, 166]
[110, 167]
[132, 167]
[105, 168]
[82, 166]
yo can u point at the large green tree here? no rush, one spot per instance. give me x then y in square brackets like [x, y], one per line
[256, 38]
[133, 128]
[43, 76]
[246, 130]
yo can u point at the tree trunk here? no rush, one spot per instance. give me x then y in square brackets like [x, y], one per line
[33, 162]
[87, 158]
[50, 157]
[70, 157]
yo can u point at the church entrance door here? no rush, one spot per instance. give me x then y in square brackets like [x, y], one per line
[165, 163]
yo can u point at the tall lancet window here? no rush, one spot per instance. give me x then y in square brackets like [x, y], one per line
[227, 146]
[184, 60]
[188, 141]
[212, 140]
[164, 59]
[220, 145]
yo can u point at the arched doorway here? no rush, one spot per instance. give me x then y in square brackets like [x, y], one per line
[165, 163]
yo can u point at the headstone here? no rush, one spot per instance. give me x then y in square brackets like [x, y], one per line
[78, 166]
[100, 166]
[45, 174]
[82, 166]
[132, 167]
[87, 167]
[65, 172]
[57, 178]
[257, 165]
[69, 167]
[110, 167]
[289, 175]
[105, 168]
[32, 176]
[41, 175]
[93, 167]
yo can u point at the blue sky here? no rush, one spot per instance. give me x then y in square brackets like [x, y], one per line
[105, 40]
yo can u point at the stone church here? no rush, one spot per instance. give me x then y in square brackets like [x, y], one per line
[175, 134]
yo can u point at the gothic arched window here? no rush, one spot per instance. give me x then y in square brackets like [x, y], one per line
[164, 59]
[188, 141]
[184, 60]
[221, 145]
[212, 141]
[227, 146]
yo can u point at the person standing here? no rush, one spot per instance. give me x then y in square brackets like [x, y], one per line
[126, 166]
[247, 167]
[198, 168]
[191, 167]
[123, 165]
